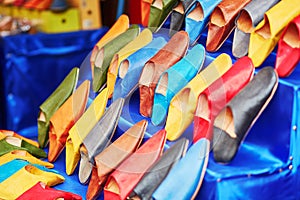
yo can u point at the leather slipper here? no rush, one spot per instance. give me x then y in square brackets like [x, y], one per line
[183, 105]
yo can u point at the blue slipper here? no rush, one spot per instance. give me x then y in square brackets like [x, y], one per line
[185, 178]
[131, 68]
[197, 18]
[173, 80]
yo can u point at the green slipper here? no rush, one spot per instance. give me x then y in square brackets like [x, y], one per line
[9, 144]
[53, 102]
[106, 53]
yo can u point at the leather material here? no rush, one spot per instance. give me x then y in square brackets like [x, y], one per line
[193, 26]
[159, 13]
[173, 80]
[53, 102]
[14, 134]
[128, 78]
[288, 53]
[112, 156]
[139, 11]
[222, 22]
[42, 191]
[59, 5]
[245, 108]
[145, 6]
[64, 118]
[8, 144]
[248, 18]
[267, 33]
[26, 178]
[190, 177]
[108, 51]
[23, 155]
[171, 53]
[183, 105]
[99, 137]
[81, 129]
[177, 18]
[123, 180]
[178, 15]
[218, 94]
[139, 42]
[120, 26]
[13, 166]
[160, 170]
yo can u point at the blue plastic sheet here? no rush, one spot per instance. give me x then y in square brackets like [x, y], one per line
[265, 167]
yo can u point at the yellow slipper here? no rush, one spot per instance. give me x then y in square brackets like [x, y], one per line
[120, 26]
[267, 33]
[14, 134]
[64, 118]
[139, 42]
[81, 128]
[23, 155]
[184, 103]
[25, 178]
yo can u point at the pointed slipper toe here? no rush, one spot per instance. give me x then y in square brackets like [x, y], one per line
[232, 124]
[171, 53]
[183, 105]
[123, 180]
[173, 80]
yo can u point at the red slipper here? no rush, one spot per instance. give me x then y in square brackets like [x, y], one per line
[123, 180]
[218, 94]
[42, 191]
[288, 54]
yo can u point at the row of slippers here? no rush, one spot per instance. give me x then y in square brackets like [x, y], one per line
[227, 89]
[257, 25]
[124, 169]
[23, 175]
[53, 5]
